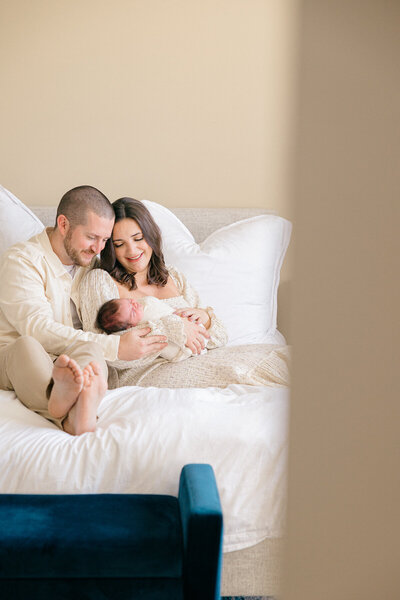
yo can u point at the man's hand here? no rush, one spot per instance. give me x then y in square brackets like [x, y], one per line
[134, 344]
[195, 336]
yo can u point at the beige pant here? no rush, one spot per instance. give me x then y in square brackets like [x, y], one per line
[26, 368]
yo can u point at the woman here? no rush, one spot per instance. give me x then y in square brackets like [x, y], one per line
[132, 266]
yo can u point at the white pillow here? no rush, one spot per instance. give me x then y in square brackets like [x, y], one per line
[235, 270]
[17, 222]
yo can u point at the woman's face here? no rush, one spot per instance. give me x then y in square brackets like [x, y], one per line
[131, 249]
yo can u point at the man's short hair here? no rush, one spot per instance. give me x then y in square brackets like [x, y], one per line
[78, 202]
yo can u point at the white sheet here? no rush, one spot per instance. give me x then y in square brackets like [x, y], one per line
[145, 436]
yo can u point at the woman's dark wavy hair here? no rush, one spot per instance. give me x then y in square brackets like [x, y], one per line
[129, 208]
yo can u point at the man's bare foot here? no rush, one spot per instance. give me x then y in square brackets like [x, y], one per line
[68, 382]
[83, 414]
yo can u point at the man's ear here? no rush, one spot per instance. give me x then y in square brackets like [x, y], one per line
[63, 224]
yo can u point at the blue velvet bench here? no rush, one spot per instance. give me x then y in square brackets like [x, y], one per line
[114, 546]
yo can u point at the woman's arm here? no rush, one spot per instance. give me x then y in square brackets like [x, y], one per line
[98, 287]
[95, 288]
[135, 346]
[216, 329]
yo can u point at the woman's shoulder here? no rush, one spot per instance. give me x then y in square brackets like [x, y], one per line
[177, 276]
[184, 286]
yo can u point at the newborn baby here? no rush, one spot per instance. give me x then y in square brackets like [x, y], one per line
[120, 314]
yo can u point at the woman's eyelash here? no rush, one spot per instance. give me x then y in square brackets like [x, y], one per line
[135, 240]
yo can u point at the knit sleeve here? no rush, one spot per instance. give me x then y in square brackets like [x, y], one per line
[217, 330]
[95, 288]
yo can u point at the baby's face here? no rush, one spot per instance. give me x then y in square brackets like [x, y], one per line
[130, 311]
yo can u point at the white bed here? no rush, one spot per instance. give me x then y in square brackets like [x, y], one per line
[145, 435]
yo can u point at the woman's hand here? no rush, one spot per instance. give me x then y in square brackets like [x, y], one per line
[198, 315]
[195, 336]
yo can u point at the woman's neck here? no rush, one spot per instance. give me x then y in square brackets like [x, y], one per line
[141, 279]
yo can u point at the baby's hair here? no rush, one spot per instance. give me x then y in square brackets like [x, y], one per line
[107, 318]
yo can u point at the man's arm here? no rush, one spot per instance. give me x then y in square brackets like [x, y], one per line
[29, 305]
[134, 345]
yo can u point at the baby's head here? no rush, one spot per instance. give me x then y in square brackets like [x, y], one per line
[119, 314]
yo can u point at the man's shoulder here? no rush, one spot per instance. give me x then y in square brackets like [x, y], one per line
[31, 249]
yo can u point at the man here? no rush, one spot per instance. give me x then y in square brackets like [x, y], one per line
[55, 368]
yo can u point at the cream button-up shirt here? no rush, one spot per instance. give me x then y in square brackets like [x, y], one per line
[35, 294]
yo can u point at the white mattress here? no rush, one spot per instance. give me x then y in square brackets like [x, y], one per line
[145, 436]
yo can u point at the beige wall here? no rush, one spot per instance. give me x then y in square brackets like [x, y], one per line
[183, 102]
[344, 482]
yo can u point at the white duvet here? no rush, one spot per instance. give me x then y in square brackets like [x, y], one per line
[144, 437]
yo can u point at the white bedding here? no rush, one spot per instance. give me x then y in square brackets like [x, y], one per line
[144, 437]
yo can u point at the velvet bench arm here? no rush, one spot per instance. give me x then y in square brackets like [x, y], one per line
[202, 528]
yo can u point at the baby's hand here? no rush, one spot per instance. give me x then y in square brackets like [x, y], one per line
[198, 315]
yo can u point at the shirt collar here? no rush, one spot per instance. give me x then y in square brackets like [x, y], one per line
[51, 257]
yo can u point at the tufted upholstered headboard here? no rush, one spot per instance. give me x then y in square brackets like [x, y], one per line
[200, 221]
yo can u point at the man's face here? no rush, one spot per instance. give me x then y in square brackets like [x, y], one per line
[83, 242]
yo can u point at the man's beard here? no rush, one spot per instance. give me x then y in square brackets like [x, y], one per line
[74, 254]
